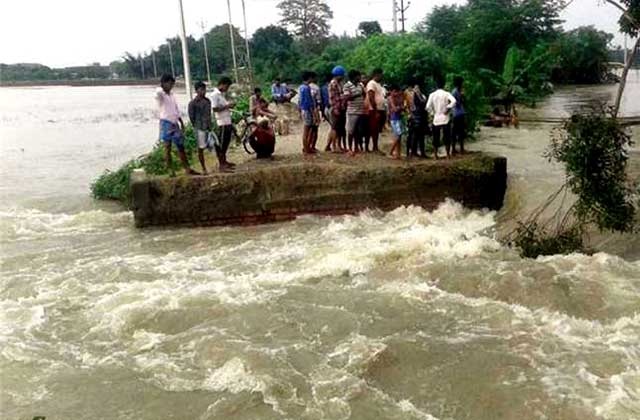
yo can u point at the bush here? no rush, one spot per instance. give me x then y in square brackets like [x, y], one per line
[533, 240]
[594, 150]
[402, 57]
[115, 185]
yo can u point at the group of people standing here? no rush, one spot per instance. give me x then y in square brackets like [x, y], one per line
[172, 126]
[358, 108]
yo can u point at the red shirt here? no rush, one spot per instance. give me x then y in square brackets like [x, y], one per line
[264, 136]
[335, 97]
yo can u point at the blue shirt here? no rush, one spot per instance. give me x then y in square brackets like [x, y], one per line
[279, 91]
[324, 92]
[458, 110]
[306, 99]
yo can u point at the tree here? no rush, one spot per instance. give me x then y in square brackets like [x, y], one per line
[443, 25]
[307, 19]
[491, 27]
[583, 56]
[368, 28]
[403, 58]
[274, 52]
[629, 24]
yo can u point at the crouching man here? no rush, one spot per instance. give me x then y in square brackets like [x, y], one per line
[263, 139]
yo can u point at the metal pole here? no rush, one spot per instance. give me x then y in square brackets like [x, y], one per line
[395, 16]
[155, 67]
[173, 68]
[185, 53]
[141, 65]
[246, 40]
[626, 49]
[206, 53]
[233, 44]
[402, 14]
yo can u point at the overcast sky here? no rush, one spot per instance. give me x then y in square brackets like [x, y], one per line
[77, 32]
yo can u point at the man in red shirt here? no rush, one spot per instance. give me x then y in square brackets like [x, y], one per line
[263, 139]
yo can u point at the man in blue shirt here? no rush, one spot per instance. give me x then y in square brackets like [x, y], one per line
[459, 119]
[281, 93]
[308, 111]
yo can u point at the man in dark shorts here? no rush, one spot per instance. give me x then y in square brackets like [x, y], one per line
[459, 131]
[377, 111]
[222, 108]
[337, 111]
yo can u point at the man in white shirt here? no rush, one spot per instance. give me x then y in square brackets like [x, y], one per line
[222, 109]
[440, 104]
[376, 102]
[171, 124]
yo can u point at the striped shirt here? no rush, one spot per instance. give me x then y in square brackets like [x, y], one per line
[355, 105]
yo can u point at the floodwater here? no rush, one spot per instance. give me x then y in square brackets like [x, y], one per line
[401, 315]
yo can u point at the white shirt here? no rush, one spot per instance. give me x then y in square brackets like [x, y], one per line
[167, 106]
[218, 100]
[439, 103]
[378, 90]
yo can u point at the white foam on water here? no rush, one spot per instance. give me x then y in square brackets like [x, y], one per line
[28, 224]
[557, 343]
[407, 407]
[233, 377]
[258, 269]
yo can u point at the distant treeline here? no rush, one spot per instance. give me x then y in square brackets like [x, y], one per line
[38, 72]
[507, 50]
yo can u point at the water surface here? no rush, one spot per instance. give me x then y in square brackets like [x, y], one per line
[401, 315]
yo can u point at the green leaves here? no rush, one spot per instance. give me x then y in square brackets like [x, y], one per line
[593, 149]
[115, 185]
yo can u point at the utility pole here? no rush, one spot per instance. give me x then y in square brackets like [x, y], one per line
[185, 53]
[246, 41]
[402, 10]
[233, 44]
[395, 16]
[173, 69]
[206, 52]
[626, 49]
[155, 67]
[141, 65]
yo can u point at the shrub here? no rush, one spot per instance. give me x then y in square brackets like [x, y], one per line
[594, 150]
[115, 185]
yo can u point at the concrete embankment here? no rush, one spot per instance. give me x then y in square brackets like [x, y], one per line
[264, 192]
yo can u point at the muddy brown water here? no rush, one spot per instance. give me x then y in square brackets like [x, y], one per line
[401, 315]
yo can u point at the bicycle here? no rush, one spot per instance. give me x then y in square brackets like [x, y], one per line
[245, 131]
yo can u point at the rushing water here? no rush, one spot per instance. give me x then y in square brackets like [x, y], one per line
[401, 315]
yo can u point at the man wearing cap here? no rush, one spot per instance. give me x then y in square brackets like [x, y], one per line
[338, 111]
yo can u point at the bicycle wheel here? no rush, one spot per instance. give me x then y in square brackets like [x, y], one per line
[247, 145]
